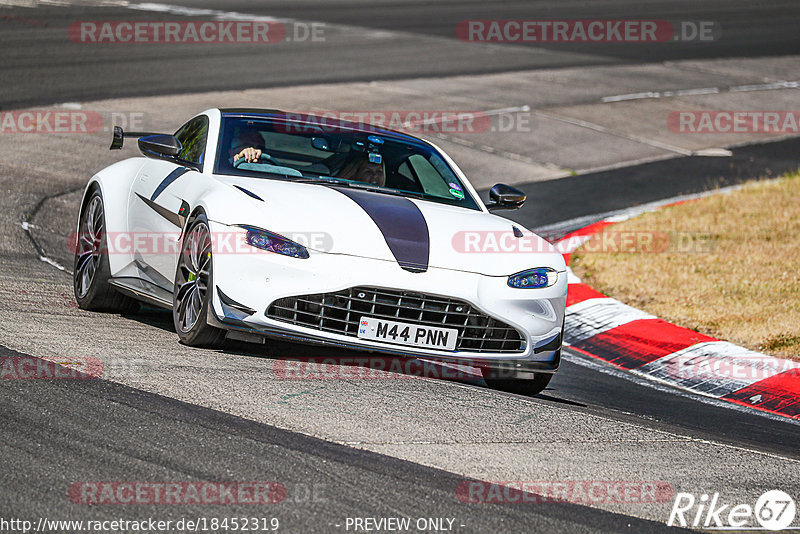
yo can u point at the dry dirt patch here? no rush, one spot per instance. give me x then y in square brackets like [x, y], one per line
[727, 265]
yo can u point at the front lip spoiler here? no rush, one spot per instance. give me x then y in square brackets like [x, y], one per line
[518, 369]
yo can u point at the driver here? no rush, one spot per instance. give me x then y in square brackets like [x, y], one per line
[362, 170]
[248, 144]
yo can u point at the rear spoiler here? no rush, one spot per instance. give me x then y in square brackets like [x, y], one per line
[120, 135]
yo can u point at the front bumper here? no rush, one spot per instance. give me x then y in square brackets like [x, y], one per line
[252, 281]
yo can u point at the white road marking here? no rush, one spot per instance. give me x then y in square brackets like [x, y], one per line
[54, 263]
[63, 3]
[27, 227]
[661, 94]
[702, 91]
[215, 14]
[630, 137]
[714, 152]
[690, 92]
[765, 86]
[631, 96]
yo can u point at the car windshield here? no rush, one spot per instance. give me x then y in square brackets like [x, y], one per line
[377, 160]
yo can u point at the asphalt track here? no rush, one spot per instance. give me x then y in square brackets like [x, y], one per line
[171, 440]
[194, 415]
[365, 40]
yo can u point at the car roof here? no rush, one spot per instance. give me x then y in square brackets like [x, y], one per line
[318, 120]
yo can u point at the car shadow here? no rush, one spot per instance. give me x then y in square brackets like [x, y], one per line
[296, 361]
[306, 361]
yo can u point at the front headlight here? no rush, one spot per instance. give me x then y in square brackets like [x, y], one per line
[534, 278]
[266, 240]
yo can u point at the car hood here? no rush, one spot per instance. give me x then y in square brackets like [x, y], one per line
[375, 225]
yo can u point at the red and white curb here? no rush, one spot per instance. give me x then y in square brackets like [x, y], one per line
[606, 329]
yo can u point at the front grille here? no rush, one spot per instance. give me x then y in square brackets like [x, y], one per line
[341, 311]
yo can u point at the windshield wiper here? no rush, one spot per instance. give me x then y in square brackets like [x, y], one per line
[363, 187]
[328, 181]
[395, 192]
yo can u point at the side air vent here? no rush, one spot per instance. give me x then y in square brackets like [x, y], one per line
[249, 193]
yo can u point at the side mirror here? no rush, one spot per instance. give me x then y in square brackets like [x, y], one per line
[160, 146]
[505, 197]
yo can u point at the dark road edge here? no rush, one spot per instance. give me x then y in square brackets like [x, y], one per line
[110, 395]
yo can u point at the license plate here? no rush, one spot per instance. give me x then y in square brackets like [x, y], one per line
[407, 334]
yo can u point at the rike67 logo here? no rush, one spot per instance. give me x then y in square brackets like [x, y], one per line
[774, 510]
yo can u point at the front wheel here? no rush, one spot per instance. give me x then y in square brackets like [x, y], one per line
[193, 287]
[521, 386]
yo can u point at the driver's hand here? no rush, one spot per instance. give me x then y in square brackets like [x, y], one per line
[250, 155]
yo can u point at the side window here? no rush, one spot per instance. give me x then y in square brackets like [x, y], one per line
[432, 181]
[192, 136]
[405, 171]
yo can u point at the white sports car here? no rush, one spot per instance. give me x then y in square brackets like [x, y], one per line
[262, 223]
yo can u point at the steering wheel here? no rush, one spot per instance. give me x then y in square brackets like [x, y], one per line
[263, 158]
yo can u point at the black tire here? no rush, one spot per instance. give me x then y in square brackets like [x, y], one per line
[91, 270]
[521, 386]
[193, 287]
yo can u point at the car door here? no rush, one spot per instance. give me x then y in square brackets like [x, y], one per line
[158, 206]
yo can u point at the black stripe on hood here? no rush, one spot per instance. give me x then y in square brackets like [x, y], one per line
[402, 224]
